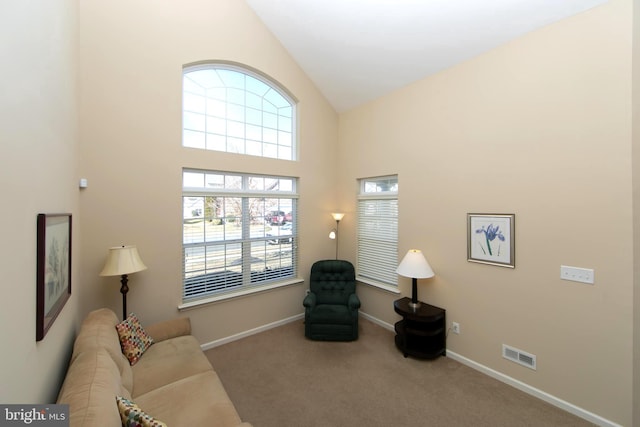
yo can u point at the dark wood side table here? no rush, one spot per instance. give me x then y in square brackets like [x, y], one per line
[422, 331]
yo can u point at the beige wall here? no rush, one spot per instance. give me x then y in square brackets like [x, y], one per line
[541, 128]
[636, 213]
[131, 59]
[38, 166]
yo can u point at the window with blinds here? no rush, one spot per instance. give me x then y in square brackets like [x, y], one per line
[378, 230]
[239, 232]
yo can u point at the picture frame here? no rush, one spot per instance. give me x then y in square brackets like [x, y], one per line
[491, 239]
[53, 271]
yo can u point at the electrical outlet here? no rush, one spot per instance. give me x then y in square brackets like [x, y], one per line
[455, 327]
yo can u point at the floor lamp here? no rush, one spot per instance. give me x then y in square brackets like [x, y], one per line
[122, 261]
[334, 233]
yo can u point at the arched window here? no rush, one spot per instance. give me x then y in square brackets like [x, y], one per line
[231, 108]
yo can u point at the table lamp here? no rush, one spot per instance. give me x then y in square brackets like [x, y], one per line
[415, 265]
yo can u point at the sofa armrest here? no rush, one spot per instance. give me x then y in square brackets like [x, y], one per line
[169, 329]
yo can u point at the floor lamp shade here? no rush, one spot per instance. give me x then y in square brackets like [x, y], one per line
[122, 261]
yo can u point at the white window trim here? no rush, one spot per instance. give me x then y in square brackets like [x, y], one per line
[244, 289]
[238, 294]
[384, 195]
[379, 285]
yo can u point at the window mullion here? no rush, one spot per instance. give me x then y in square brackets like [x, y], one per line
[246, 240]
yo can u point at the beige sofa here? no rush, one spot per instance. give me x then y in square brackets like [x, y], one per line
[173, 381]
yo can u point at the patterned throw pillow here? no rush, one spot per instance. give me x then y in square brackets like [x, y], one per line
[133, 416]
[134, 340]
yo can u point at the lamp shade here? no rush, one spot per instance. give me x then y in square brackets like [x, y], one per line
[337, 216]
[122, 260]
[415, 265]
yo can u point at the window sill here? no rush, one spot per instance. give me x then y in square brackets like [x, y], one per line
[388, 288]
[238, 294]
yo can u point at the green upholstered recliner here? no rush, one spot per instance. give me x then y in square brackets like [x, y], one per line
[331, 307]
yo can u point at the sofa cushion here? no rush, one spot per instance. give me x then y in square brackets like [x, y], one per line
[174, 380]
[134, 340]
[98, 332]
[201, 398]
[133, 416]
[168, 329]
[92, 379]
[168, 361]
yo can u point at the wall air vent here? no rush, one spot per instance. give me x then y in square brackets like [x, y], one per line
[521, 357]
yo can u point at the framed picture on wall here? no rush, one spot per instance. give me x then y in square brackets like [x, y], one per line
[53, 271]
[491, 239]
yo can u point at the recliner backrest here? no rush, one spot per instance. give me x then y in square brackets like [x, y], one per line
[332, 281]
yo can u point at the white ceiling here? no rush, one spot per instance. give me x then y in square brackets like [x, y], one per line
[358, 50]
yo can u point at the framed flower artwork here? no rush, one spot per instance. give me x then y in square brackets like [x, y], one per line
[491, 239]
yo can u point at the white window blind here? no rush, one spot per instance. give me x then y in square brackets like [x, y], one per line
[378, 230]
[239, 232]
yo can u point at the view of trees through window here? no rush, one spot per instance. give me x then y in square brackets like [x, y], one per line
[238, 231]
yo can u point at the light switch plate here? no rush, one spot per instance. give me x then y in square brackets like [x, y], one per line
[577, 274]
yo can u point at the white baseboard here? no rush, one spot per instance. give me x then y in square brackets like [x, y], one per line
[555, 401]
[377, 321]
[250, 332]
[564, 405]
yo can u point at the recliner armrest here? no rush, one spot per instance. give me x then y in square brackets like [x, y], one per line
[310, 300]
[354, 302]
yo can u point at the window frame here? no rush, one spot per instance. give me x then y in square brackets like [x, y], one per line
[365, 273]
[262, 78]
[248, 241]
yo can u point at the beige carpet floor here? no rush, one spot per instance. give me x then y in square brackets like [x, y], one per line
[278, 378]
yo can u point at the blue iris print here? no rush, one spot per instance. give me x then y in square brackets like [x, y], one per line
[491, 233]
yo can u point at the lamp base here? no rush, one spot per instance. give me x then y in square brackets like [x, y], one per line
[415, 305]
[123, 290]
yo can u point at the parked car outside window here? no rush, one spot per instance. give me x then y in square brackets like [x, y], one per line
[275, 217]
[281, 235]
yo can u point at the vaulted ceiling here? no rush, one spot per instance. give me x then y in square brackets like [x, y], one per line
[358, 50]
